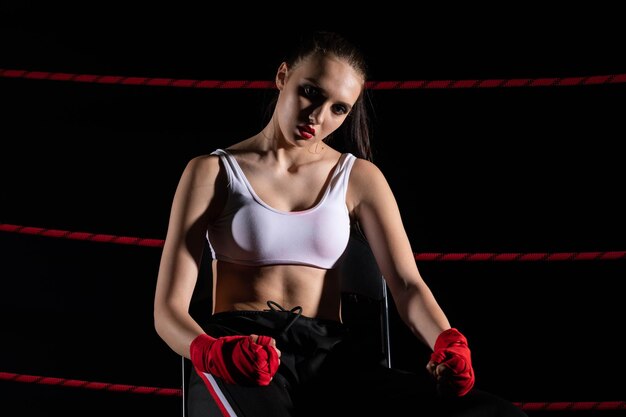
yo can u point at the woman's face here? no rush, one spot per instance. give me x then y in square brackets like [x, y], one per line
[316, 96]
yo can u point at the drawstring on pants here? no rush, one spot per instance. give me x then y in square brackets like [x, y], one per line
[297, 310]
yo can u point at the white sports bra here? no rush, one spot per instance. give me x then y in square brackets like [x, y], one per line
[250, 232]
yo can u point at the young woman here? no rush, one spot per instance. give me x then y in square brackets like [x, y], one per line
[277, 209]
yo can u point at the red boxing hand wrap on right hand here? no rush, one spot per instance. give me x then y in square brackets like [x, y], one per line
[235, 359]
[451, 350]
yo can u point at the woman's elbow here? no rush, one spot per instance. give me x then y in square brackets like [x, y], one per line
[160, 315]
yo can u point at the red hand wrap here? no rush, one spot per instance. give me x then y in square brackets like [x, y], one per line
[451, 349]
[235, 359]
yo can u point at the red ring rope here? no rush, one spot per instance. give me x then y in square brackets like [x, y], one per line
[75, 383]
[34, 379]
[427, 256]
[373, 85]
[122, 240]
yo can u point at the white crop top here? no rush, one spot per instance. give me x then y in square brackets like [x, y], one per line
[250, 232]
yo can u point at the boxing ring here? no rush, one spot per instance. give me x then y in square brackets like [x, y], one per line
[89, 240]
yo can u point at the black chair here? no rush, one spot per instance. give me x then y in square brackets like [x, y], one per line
[364, 308]
[364, 301]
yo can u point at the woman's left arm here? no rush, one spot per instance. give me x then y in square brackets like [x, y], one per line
[372, 203]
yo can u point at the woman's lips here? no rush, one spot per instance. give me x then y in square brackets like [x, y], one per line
[306, 132]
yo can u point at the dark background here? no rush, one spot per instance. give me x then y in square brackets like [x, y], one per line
[474, 170]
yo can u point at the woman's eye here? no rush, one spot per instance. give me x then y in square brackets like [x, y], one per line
[340, 110]
[309, 91]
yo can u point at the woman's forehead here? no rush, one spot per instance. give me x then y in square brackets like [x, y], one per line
[333, 74]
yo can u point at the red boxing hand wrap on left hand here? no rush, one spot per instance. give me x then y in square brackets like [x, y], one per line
[235, 359]
[451, 350]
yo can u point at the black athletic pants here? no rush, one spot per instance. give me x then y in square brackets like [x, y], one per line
[323, 373]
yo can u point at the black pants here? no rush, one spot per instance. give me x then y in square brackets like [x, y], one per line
[324, 373]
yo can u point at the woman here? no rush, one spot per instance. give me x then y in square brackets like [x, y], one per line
[277, 209]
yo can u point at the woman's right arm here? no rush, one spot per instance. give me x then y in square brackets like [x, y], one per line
[182, 253]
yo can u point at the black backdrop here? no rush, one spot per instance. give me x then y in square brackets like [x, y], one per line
[474, 170]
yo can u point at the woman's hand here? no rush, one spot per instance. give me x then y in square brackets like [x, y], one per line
[451, 364]
[240, 359]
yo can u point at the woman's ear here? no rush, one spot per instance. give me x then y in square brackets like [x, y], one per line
[281, 76]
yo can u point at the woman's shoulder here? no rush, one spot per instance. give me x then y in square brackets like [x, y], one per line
[203, 166]
[366, 184]
[367, 178]
[204, 160]
[364, 169]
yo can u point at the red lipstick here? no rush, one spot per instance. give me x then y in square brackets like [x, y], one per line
[306, 131]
